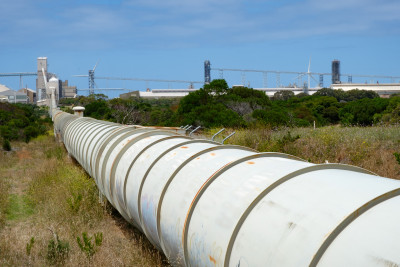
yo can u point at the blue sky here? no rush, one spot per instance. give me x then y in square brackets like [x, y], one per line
[170, 39]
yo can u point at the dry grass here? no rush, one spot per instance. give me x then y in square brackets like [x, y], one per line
[43, 193]
[371, 148]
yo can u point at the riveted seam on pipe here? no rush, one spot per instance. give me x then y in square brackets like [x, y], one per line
[96, 147]
[127, 146]
[114, 141]
[177, 171]
[85, 134]
[87, 141]
[89, 154]
[102, 145]
[76, 134]
[82, 134]
[348, 220]
[115, 165]
[71, 133]
[275, 185]
[155, 161]
[211, 179]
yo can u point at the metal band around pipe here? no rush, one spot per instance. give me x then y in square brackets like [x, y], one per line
[212, 178]
[349, 219]
[275, 185]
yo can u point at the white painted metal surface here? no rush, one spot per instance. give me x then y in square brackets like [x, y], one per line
[369, 241]
[205, 204]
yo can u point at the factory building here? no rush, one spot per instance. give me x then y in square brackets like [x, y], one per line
[66, 91]
[3, 88]
[158, 93]
[51, 86]
[12, 96]
[384, 89]
[31, 95]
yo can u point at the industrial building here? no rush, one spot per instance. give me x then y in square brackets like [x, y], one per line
[3, 88]
[46, 82]
[158, 93]
[12, 96]
[31, 95]
[384, 89]
[67, 91]
[42, 78]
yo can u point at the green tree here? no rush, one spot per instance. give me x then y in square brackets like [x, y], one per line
[217, 86]
[361, 112]
[283, 95]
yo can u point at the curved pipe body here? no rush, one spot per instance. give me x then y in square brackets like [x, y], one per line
[207, 204]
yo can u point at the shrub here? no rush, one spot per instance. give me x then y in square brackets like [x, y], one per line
[29, 246]
[397, 156]
[6, 145]
[86, 244]
[57, 251]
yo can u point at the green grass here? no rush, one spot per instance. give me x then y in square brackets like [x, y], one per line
[19, 207]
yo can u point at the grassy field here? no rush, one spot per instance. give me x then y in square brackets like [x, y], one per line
[47, 201]
[371, 148]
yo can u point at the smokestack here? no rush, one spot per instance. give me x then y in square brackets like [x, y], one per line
[335, 71]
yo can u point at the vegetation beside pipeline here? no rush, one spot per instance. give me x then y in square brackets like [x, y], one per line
[217, 105]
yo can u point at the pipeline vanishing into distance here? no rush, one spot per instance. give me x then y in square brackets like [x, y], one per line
[206, 204]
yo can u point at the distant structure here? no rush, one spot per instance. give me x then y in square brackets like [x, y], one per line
[335, 71]
[3, 88]
[31, 95]
[52, 86]
[12, 96]
[207, 72]
[158, 93]
[67, 91]
[41, 78]
[46, 82]
[383, 89]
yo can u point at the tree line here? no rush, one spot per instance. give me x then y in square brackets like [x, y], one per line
[217, 105]
[22, 122]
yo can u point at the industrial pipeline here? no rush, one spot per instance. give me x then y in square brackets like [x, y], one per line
[206, 204]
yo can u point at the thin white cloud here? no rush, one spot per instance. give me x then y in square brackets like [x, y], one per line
[157, 22]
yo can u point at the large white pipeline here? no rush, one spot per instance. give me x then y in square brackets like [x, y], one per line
[207, 204]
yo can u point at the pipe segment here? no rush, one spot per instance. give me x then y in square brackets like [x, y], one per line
[206, 204]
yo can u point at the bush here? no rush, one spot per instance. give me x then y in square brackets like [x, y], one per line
[87, 245]
[57, 251]
[6, 145]
[31, 132]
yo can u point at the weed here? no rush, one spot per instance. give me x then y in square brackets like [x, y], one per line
[86, 244]
[287, 139]
[74, 202]
[397, 156]
[57, 251]
[29, 246]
